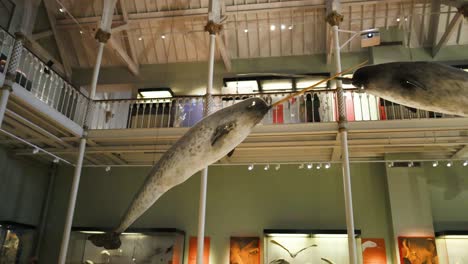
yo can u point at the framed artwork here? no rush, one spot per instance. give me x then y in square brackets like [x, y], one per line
[192, 254]
[244, 250]
[417, 250]
[373, 251]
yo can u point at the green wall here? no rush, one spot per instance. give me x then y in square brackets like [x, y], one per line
[239, 202]
[22, 188]
[449, 196]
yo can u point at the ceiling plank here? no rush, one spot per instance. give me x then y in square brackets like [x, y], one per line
[49, 5]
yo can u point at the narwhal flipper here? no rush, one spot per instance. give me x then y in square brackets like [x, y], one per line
[110, 240]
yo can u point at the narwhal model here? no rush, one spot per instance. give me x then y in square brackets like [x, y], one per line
[205, 143]
[429, 86]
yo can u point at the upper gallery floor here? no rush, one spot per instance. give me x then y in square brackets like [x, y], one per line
[125, 128]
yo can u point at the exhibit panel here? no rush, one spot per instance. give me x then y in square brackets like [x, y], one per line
[138, 246]
[452, 248]
[16, 243]
[306, 247]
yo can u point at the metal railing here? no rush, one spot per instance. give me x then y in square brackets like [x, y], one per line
[49, 87]
[311, 107]
[6, 47]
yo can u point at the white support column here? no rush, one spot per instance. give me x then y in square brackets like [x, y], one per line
[12, 66]
[334, 19]
[213, 29]
[72, 202]
[97, 67]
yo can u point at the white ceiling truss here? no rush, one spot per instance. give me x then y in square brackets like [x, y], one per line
[165, 31]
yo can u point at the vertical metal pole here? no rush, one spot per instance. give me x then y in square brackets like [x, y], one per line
[96, 70]
[204, 173]
[345, 152]
[13, 64]
[72, 202]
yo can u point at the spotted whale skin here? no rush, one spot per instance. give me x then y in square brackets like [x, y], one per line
[205, 143]
[428, 86]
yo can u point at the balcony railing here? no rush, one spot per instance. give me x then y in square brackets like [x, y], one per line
[49, 87]
[311, 107]
[6, 47]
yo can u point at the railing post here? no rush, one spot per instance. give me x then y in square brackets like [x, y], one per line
[12, 66]
[334, 19]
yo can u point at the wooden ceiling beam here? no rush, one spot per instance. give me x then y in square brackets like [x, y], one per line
[132, 66]
[457, 19]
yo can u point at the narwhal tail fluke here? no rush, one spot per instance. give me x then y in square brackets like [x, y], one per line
[110, 240]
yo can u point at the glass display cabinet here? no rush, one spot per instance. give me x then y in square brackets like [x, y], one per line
[145, 246]
[452, 247]
[17, 242]
[306, 246]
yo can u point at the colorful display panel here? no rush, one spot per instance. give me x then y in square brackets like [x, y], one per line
[418, 250]
[373, 251]
[244, 250]
[192, 254]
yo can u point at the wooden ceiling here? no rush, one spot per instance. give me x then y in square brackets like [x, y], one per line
[165, 31]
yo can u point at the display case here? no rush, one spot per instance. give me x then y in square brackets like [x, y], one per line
[145, 246]
[306, 246]
[17, 242]
[452, 247]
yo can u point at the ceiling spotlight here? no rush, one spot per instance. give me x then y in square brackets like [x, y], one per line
[163, 36]
[81, 32]
[411, 164]
[35, 150]
[390, 164]
[406, 19]
[277, 166]
[327, 165]
[120, 250]
[435, 164]
[108, 168]
[318, 166]
[272, 27]
[62, 10]
[140, 38]
[398, 19]
[309, 166]
[465, 163]
[250, 167]
[56, 160]
[283, 26]
[246, 30]
[449, 164]
[290, 27]
[266, 167]
[134, 259]
[301, 166]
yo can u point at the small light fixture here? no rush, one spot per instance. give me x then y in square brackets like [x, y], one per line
[62, 10]
[272, 27]
[319, 166]
[35, 150]
[134, 259]
[81, 32]
[301, 166]
[56, 160]
[290, 27]
[250, 167]
[327, 165]
[309, 166]
[163, 36]
[390, 164]
[140, 38]
[246, 30]
[283, 26]
[278, 166]
[465, 163]
[411, 164]
[120, 250]
[406, 19]
[449, 164]
[435, 164]
[108, 168]
[267, 167]
[398, 19]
